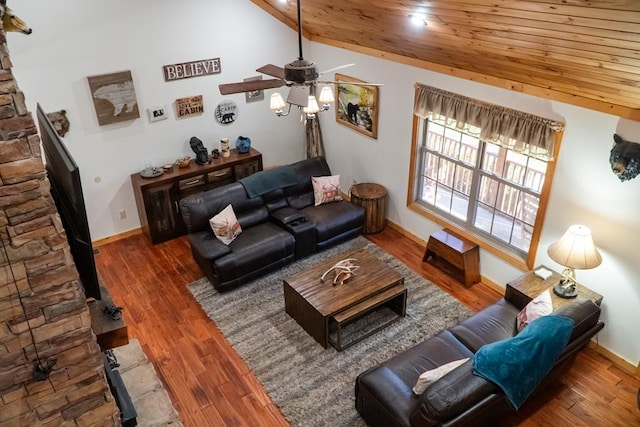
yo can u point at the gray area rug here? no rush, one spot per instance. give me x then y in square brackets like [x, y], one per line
[313, 386]
[150, 399]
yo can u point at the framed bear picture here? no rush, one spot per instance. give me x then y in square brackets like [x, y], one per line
[357, 105]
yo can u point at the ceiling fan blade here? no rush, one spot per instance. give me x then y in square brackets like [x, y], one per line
[272, 70]
[340, 67]
[352, 83]
[298, 95]
[250, 86]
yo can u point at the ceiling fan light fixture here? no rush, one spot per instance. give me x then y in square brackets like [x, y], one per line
[277, 104]
[326, 96]
[312, 107]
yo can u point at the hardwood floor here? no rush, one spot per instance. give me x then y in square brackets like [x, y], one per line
[211, 386]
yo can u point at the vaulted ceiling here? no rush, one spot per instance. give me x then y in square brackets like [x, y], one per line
[582, 52]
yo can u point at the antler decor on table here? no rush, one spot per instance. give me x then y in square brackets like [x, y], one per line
[343, 270]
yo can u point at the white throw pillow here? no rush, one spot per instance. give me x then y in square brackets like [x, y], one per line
[538, 307]
[326, 189]
[429, 377]
[225, 225]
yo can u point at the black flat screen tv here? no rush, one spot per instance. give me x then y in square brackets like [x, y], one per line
[66, 190]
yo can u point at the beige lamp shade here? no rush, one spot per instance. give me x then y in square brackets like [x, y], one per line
[575, 249]
[326, 95]
[312, 106]
[276, 102]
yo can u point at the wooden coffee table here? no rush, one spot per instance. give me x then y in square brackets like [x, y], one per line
[318, 306]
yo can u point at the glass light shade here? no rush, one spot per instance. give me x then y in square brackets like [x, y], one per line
[276, 102]
[312, 106]
[575, 249]
[326, 95]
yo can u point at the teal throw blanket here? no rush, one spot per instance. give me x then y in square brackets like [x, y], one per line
[263, 182]
[517, 365]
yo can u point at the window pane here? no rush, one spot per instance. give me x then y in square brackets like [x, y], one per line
[534, 178]
[428, 191]
[443, 197]
[431, 166]
[469, 150]
[528, 209]
[488, 191]
[452, 142]
[462, 181]
[484, 217]
[501, 227]
[515, 166]
[491, 161]
[460, 206]
[521, 236]
[435, 136]
[508, 197]
[446, 172]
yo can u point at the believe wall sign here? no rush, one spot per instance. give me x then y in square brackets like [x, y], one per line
[185, 70]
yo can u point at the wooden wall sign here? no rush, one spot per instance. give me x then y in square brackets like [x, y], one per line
[185, 70]
[189, 106]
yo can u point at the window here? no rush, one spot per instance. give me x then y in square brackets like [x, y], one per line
[492, 185]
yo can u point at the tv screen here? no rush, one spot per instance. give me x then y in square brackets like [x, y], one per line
[66, 190]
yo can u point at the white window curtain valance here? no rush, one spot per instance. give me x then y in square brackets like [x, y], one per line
[518, 131]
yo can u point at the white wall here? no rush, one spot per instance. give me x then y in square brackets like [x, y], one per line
[73, 39]
[585, 191]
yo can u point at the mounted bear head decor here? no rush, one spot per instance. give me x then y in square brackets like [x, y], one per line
[625, 158]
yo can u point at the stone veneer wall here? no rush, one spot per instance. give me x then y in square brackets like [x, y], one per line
[41, 299]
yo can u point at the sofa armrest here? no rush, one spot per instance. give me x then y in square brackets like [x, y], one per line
[584, 313]
[206, 246]
[286, 216]
[452, 395]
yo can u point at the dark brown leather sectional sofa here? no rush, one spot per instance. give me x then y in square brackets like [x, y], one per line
[279, 226]
[384, 395]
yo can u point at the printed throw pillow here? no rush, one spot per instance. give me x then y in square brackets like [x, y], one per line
[429, 377]
[538, 307]
[326, 189]
[225, 225]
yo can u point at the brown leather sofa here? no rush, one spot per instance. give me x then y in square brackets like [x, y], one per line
[384, 395]
[278, 226]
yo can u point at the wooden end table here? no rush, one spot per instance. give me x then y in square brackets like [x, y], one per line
[319, 306]
[372, 197]
[528, 286]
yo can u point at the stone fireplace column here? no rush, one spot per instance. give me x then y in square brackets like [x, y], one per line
[44, 317]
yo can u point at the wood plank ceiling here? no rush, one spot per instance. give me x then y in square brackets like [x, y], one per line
[582, 52]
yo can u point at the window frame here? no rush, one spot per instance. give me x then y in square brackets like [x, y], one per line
[523, 262]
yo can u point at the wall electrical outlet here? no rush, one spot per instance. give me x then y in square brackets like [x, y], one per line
[122, 214]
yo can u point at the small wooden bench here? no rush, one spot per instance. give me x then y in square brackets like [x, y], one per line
[459, 252]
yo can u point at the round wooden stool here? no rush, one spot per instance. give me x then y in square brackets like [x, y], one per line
[373, 198]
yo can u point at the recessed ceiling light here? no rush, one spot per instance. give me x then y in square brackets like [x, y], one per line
[418, 20]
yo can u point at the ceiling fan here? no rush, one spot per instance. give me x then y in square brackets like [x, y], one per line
[298, 75]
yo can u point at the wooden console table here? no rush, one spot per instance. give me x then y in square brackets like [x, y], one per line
[158, 198]
[462, 254]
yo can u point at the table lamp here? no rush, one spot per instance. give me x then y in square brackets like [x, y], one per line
[574, 250]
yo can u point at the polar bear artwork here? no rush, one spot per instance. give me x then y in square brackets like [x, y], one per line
[119, 94]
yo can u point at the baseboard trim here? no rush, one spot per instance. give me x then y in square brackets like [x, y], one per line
[615, 359]
[116, 237]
